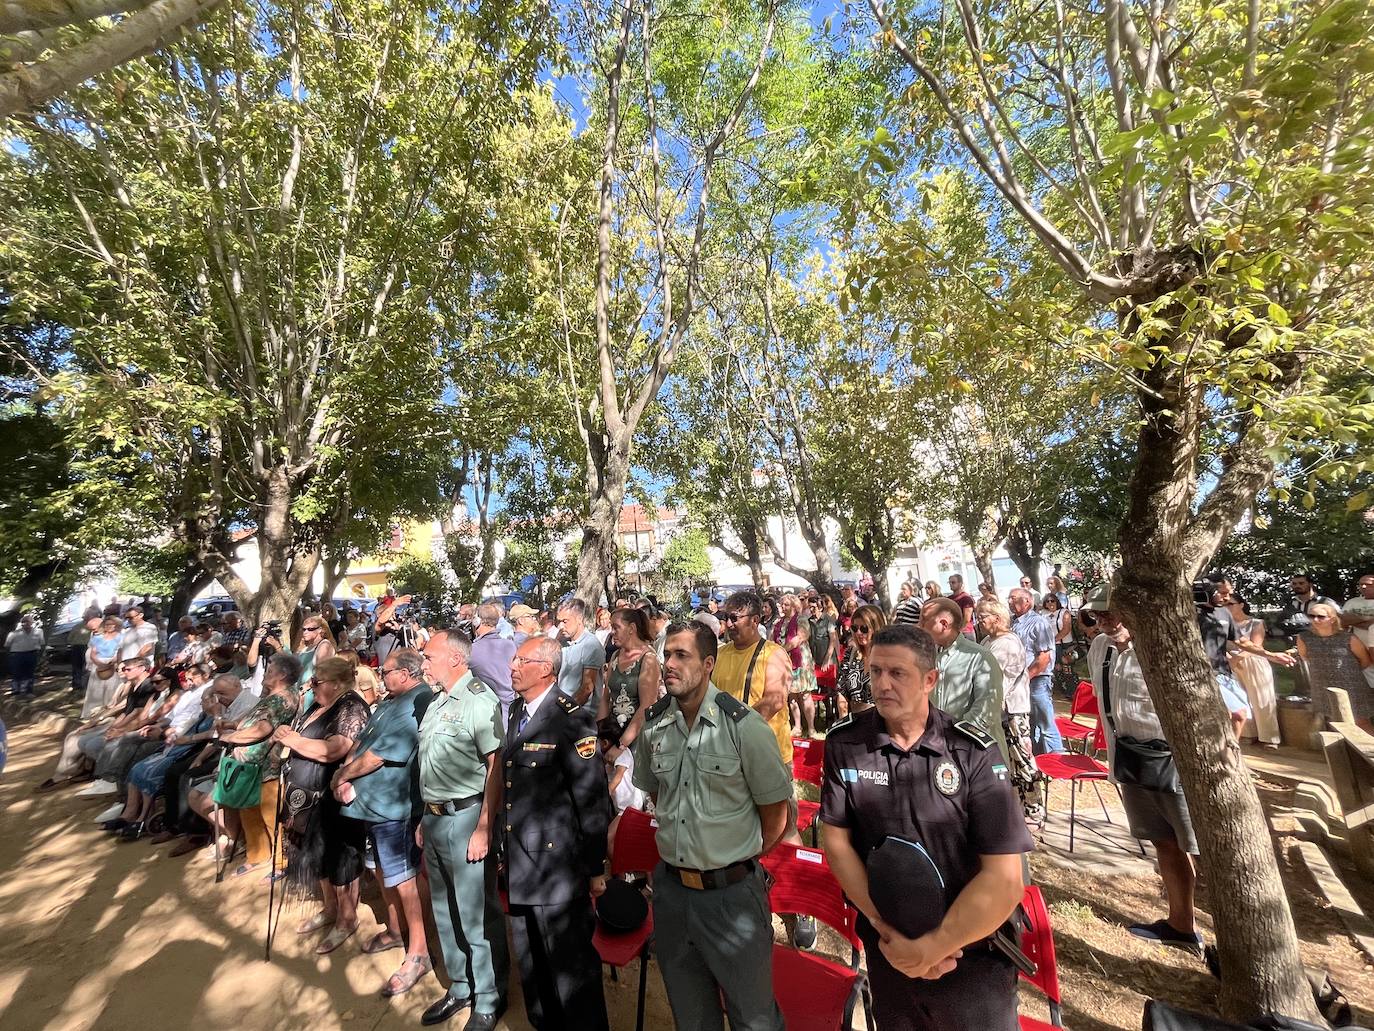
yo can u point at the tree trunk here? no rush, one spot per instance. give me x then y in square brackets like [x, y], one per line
[1258, 944]
[983, 561]
[192, 581]
[607, 479]
[1027, 550]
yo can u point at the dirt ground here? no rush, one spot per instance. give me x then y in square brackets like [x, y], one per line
[99, 934]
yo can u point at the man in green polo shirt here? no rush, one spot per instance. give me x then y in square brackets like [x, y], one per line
[460, 739]
[970, 685]
[722, 796]
[380, 785]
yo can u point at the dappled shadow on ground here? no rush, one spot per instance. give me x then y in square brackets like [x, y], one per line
[96, 933]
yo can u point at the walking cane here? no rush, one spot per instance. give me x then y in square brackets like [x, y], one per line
[273, 920]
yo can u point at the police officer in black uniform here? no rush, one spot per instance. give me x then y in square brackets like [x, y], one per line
[556, 808]
[907, 771]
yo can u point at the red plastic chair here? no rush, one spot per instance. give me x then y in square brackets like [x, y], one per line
[808, 760]
[806, 817]
[1038, 945]
[1084, 704]
[815, 993]
[636, 851]
[1076, 769]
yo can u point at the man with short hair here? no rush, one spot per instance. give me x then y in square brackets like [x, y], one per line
[115, 740]
[1293, 619]
[583, 656]
[1357, 615]
[722, 798]
[24, 645]
[754, 670]
[905, 774]
[460, 741]
[1157, 813]
[384, 776]
[1029, 587]
[1037, 636]
[964, 600]
[970, 682]
[491, 655]
[557, 806]
[140, 637]
[232, 632]
[908, 610]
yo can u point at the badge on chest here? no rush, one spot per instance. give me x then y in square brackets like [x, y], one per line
[947, 778]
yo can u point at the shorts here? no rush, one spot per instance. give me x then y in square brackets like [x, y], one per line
[1159, 816]
[393, 851]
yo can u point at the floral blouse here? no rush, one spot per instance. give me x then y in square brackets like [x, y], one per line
[265, 754]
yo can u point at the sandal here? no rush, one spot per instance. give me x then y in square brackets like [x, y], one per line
[375, 944]
[246, 868]
[318, 922]
[409, 972]
[334, 939]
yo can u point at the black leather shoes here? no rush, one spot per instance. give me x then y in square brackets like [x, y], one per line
[443, 1010]
[483, 1021]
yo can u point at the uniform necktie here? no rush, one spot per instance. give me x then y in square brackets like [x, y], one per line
[520, 724]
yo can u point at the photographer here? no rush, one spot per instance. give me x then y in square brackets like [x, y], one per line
[1142, 765]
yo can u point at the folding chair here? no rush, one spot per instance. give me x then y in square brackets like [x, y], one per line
[1084, 704]
[1075, 769]
[636, 851]
[808, 763]
[1038, 945]
[815, 993]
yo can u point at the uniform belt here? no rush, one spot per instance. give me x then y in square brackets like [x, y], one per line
[705, 880]
[452, 807]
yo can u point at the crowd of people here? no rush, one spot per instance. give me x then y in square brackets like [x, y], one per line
[357, 744]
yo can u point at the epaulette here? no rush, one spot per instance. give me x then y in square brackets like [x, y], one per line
[567, 704]
[843, 721]
[732, 706]
[975, 733]
[659, 707]
[478, 687]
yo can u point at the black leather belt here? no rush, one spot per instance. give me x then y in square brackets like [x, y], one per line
[451, 807]
[706, 880]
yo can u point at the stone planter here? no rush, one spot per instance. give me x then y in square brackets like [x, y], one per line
[1297, 724]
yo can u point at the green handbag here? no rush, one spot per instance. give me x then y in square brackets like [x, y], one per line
[238, 785]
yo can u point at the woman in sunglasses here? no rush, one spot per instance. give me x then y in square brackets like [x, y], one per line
[1336, 658]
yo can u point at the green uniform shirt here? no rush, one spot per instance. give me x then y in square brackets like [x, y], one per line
[462, 726]
[970, 687]
[392, 791]
[709, 781]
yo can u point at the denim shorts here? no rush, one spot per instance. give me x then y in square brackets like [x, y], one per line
[393, 851]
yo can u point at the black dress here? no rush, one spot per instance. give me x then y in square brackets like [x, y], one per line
[320, 843]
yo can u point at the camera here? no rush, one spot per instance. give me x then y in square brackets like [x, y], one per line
[272, 626]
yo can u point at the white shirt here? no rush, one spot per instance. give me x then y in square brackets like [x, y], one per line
[21, 641]
[135, 638]
[239, 707]
[626, 795]
[531, 707]
[1361, 606]
[1132, 710]
[187, 709]
[1010, 654]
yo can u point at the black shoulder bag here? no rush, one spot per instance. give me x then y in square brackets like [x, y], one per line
[1145, 764]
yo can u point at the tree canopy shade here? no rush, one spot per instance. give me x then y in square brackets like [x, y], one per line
[1203, 173]
[238, 236]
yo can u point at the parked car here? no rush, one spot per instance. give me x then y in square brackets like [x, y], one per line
[217, 605]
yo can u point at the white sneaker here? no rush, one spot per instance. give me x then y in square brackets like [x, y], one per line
[96, 788]
[111, 813]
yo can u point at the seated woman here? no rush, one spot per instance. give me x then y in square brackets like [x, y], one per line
[148, 775]
[322, 846]
[252, 744]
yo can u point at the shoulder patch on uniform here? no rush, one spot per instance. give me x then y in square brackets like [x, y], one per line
[659, 707]
[586, 747]
[567, 704]
[732, 706]
[975, 733]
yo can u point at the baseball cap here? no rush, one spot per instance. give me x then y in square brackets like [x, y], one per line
[710, 620]
[1099, 599]
[521, 611]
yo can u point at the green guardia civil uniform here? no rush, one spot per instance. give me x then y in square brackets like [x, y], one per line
[462, 726]
[709, 780]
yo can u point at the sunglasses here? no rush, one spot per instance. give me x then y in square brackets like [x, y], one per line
[731, 617]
